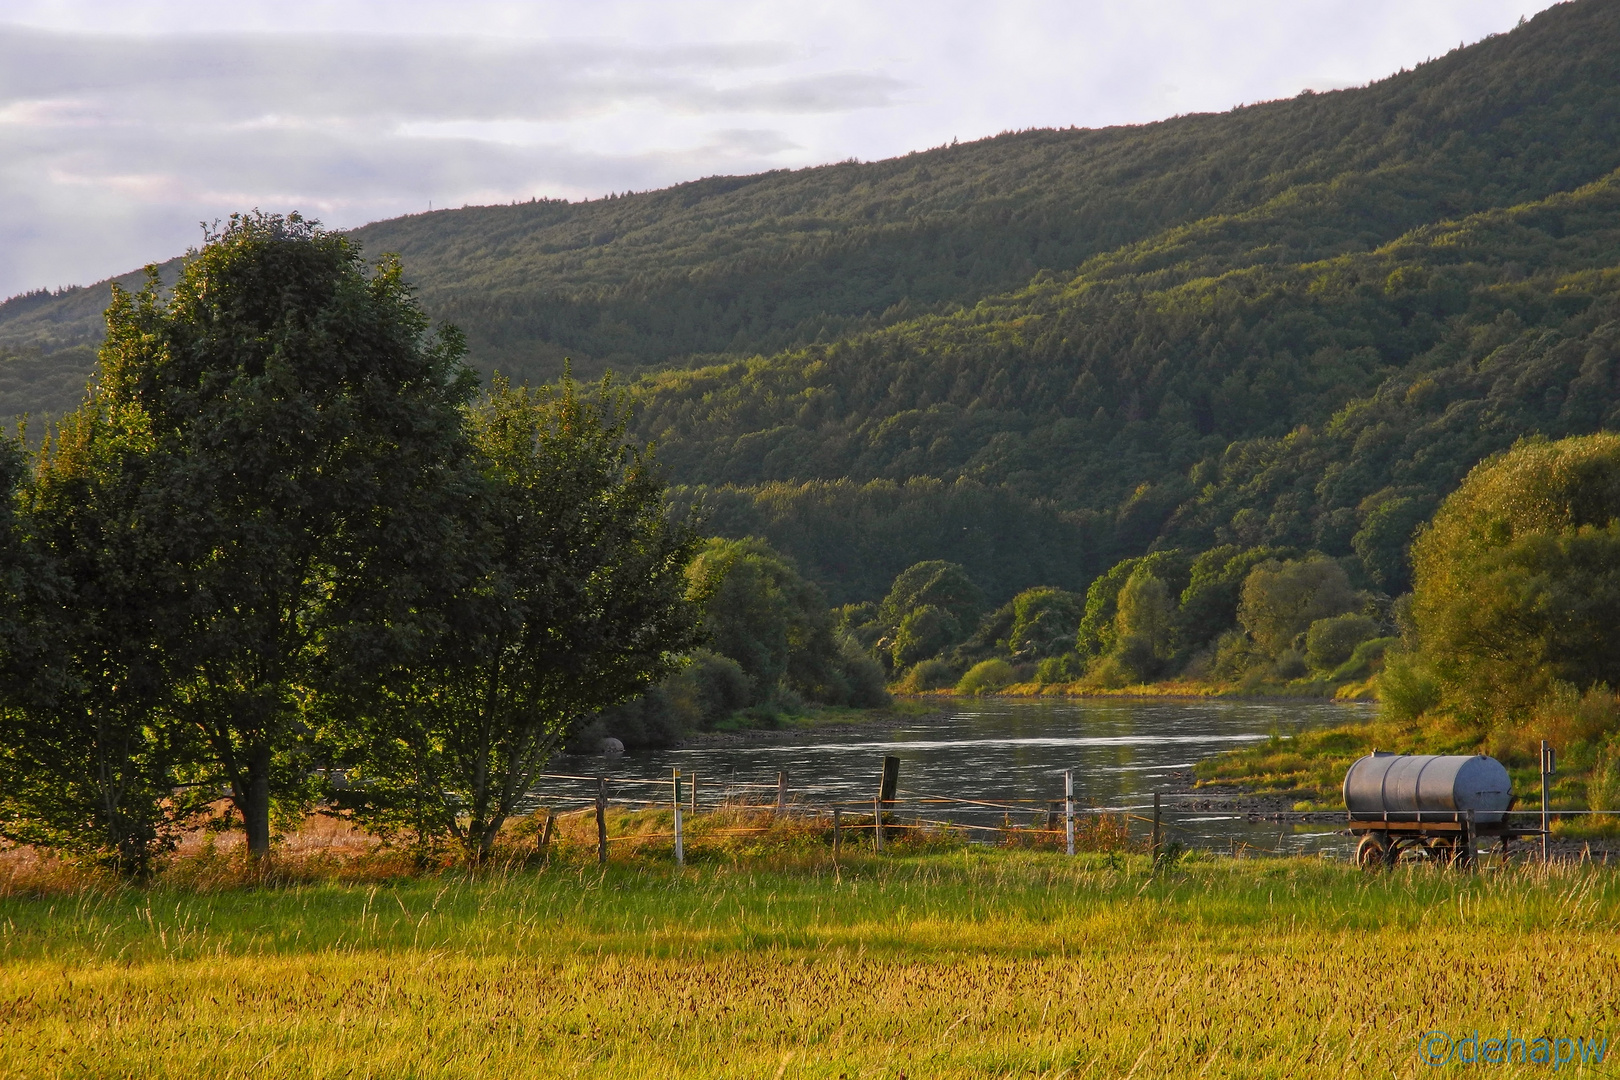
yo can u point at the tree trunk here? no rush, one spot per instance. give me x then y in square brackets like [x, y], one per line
[256, 812]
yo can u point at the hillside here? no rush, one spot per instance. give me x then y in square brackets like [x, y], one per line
[1295, 322]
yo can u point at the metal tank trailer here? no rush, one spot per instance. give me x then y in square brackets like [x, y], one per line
[1433, 806]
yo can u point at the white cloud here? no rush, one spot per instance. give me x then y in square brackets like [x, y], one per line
[123, 124]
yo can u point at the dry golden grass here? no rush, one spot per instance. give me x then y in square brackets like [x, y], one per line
[775, 960]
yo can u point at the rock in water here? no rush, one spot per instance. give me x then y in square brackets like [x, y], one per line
[610, 745]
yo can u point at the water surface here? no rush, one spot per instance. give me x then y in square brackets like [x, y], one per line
[1008, 751]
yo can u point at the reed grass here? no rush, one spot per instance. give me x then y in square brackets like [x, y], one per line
[786, 963]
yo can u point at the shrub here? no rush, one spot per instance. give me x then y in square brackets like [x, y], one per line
[1044, 623]
[1362, 661]
[1282, 599]
[1406, 687]
[864, 676]
[928, 675]
[1235, 654]
[1330, 642]
[1603, 783]
[1576, 723]
[987, 676]
[923, 633]
[1058, 669]
[716, 687]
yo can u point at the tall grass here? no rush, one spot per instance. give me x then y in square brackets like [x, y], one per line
[970, 962]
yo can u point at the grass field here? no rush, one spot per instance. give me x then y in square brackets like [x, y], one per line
[972, 962]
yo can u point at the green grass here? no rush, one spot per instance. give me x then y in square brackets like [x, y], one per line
[971, 962]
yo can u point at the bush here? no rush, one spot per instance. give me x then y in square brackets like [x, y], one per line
[987, 676]
[924, 632]
[1235, 654]
[864, 676]
[1363, 660]
[1044, 624]
[1330, 642]
[1282, 599]
[1058, 669]
[1603, 783]
[928, 675]
[1406, 687]
[713, 686]
[1576, 723]
[1289, 665]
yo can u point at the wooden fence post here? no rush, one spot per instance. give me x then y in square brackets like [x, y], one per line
[1068, 809]
[1155, 824]
[680, 850]
[601, 820]
[781, 792]
[545, 833]
[889, 785]
[877, 825]
[1547, 760]
[838, 829]
[1467, 852]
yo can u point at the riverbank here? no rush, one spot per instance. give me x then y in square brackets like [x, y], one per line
[1171, 689]
[960, 964]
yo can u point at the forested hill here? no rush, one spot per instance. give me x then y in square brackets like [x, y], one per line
[1037, 352]
[761, 263]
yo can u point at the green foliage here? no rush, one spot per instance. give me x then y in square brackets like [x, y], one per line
[1280, 600]
[986, 676]
[1366, 658]
[1293, 325]
[930, 607]
[923, 632]
[573, 597]
[1209, 603]
[1145, 612]
[1099, 625]
[1603, 783]
[1518, 578]
[302, 432]
[938, 584]
[928, 675]
[89, 756]
[1044, 623]
[1331, 642]
[1407, 689]
[775, 625]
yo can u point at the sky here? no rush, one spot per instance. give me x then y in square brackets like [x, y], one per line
[125, 124]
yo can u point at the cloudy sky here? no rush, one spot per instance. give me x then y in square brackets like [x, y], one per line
[124, 123]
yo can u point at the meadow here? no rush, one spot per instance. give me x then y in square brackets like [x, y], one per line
[961, 961]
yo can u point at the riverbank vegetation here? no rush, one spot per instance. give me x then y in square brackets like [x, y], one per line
[955, 964]
[1506, 640]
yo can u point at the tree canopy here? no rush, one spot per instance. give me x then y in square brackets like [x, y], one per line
[1518, 578]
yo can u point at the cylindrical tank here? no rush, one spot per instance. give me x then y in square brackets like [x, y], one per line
[1402, 785]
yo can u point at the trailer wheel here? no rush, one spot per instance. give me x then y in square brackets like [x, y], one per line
[1443, 852]
[1373, 852]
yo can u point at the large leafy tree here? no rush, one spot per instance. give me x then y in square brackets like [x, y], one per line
[572, 596]
[303, 424]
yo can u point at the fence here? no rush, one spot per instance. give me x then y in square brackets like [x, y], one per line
[895, 811]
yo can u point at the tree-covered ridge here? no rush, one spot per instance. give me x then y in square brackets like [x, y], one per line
[1167, 410]
[768, 262]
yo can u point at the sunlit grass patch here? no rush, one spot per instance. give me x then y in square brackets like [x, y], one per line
[972, 962]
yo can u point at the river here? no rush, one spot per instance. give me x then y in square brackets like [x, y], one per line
[1009, 751]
